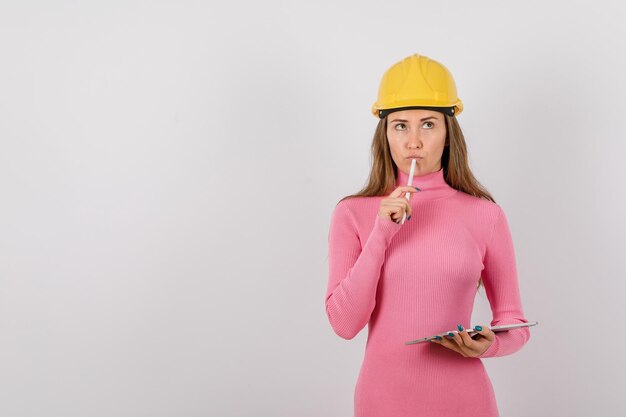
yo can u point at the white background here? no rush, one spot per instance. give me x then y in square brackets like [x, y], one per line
[168, 170]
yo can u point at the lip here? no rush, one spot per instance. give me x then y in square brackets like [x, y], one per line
[414, 157]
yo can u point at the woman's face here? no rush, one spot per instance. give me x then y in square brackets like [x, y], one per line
[417, 132]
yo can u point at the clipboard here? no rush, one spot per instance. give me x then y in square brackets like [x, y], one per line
[495, 329]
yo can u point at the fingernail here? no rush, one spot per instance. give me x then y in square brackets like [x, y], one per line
[417, 189]
[459, 327]
[408, 218]
[479, 328]
[450, 334]
[438, 337]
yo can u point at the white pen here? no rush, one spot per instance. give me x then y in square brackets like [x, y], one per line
[410, 183]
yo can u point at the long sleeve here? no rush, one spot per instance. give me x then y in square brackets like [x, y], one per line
[502, 289]
[354, 271]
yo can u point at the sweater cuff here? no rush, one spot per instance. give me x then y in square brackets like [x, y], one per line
[387, 228]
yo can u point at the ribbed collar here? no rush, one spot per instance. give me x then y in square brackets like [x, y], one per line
[432, 185]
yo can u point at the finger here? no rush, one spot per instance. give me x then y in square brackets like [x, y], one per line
[470, 344]
[408, 209]
[397, 207]
[438, 341]
[480, 343]
[465, 337]
[403, 205]
[485, 332]
[451, 344]
[396, 203]
[391, 208]
[456, 339]
[451, 338]
[402, 189]
[470, 347]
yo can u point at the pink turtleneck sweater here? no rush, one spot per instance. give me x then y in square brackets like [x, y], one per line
[417, 279]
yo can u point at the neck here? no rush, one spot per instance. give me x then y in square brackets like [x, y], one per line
[431, 184]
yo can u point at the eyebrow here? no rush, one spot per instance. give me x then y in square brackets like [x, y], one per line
[421, 120]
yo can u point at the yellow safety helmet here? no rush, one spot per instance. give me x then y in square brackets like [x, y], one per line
[417, 82]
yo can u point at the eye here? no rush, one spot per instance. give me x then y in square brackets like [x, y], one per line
[398, 124]
[430, 123]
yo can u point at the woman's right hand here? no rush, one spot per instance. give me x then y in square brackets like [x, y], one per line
[395, 204]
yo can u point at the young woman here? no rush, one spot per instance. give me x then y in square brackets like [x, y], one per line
[417, 278]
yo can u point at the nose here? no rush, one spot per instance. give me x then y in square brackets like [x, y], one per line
[414, 140]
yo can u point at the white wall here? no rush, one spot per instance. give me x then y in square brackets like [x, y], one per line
[168, 170]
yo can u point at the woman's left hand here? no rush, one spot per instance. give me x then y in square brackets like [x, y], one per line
[467, 346]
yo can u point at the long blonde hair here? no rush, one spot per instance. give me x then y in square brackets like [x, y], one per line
[456, 170]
